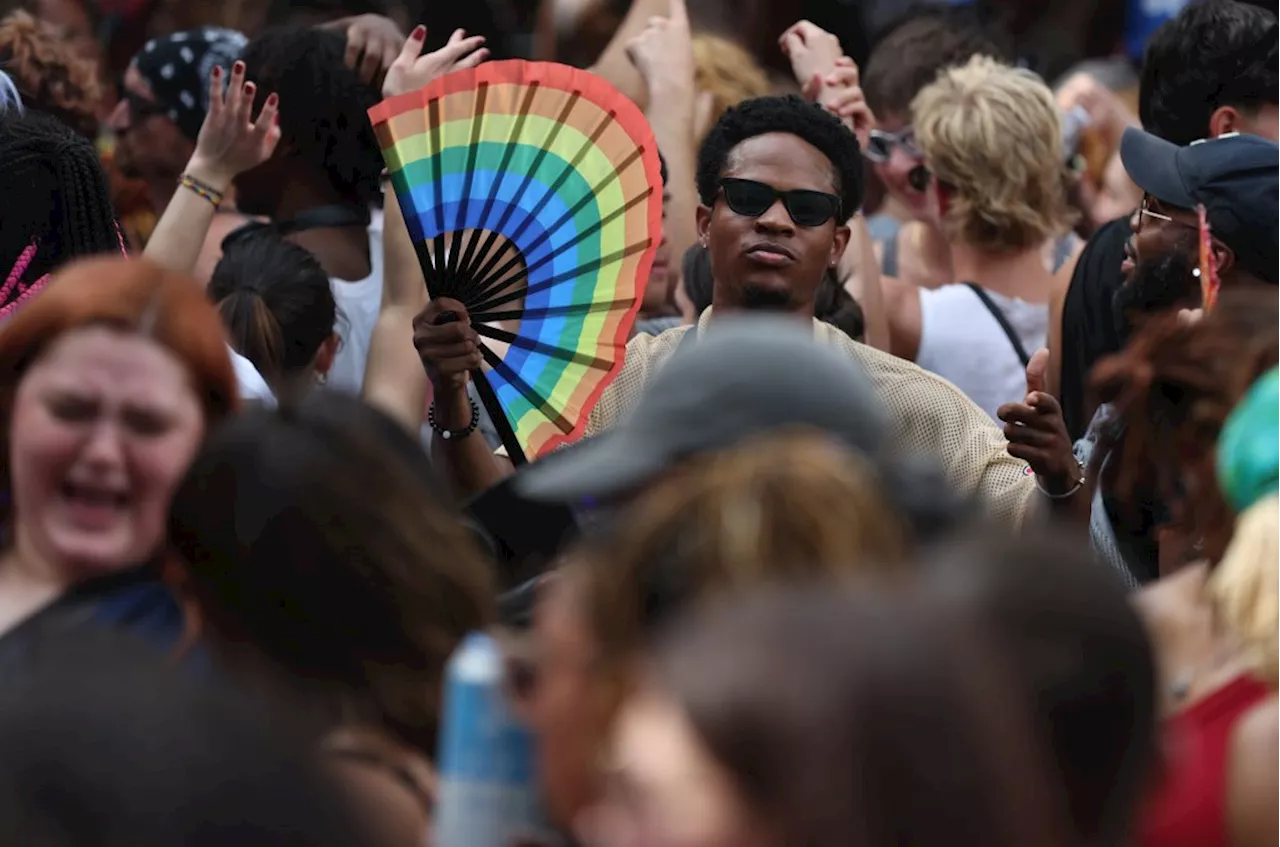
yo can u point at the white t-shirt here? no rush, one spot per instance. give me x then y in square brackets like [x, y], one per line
[358, 303]
[963, 343]
[249, 382]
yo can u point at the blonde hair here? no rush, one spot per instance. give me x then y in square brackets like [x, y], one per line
[726, 72]
[793, 506]
[1244, 588]
[992, 134]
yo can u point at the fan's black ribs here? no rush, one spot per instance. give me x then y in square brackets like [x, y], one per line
[473, 149]
[574, 273]
[554, 311]
[542, 404]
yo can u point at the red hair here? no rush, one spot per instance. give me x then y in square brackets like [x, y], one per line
[132, 295]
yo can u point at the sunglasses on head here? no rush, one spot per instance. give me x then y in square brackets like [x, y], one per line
[752, 199]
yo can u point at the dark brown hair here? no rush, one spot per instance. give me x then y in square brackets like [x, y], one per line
[323, 557]
[860, 719]
[1170, 392]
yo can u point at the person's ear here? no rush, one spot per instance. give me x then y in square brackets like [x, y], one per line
[1224, 120]
[839, 243]
[328, 351]
[703, 217]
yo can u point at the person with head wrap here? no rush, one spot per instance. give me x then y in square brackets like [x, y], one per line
[164, 98]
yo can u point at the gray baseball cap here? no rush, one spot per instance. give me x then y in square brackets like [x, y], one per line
[744, 377]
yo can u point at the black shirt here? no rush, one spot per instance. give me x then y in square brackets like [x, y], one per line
[1090, 329]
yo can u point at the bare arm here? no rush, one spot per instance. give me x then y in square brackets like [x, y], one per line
[229, 144]
[860, 274]
[663, 55]
[613, 63]
[1057, 297]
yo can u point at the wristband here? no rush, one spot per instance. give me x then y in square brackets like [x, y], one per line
[201, 189]
[454, 434]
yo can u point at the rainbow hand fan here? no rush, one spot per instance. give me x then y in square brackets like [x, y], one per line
[531, 191]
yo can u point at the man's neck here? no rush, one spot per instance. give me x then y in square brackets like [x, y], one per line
[343, 251]
[1021, 274]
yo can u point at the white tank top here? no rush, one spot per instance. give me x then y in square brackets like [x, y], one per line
[358, 303]
[962, 342]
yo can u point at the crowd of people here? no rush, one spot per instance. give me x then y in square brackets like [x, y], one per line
[934, 500]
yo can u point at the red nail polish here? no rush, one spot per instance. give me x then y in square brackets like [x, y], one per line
[239, 67]
[419, 32]
[217, 71]
[272, 99]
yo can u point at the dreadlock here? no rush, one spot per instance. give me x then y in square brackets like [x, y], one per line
[1170, 392]
[65, 209]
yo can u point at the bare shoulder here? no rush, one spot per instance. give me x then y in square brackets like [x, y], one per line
[391, 786]
[1253, 784]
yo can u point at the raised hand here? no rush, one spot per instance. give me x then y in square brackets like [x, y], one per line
[373, 42]
[663, 53]
[840, 92]
[231, 141]
[812, 50]
[449, 351]
[411, 70]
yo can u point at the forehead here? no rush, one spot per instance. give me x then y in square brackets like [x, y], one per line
[111, 362]
[782, 160]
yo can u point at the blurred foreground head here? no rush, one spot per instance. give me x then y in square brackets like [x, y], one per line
[106, 745]
[823, 716]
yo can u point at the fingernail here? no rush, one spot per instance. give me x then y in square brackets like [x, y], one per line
[272, 99]
[217, 71]
[239, 67]
[249, 88]
[419, 32]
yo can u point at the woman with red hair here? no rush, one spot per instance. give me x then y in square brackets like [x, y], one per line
[108, 382]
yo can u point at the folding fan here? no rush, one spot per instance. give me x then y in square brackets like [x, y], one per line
[531, 191]
[1209, 282]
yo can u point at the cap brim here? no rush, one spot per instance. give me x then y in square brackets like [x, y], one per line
[1152, 164]
[596, 469]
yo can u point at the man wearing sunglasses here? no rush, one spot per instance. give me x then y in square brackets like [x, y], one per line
[777, 179]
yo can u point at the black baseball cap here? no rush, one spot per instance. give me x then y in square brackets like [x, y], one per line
[746, 376]
[1235, 177]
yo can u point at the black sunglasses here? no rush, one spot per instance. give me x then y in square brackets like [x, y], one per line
[752, 199]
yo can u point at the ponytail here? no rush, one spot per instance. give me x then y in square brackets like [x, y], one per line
[255, 332]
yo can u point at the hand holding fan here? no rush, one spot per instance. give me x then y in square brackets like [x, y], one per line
[532, 194]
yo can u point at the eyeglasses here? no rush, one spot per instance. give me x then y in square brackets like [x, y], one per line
[880, 144]
[752, 199]
[140, 108]
[1144, 212]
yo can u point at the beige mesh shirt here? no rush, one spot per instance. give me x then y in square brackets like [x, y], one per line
[930, 416]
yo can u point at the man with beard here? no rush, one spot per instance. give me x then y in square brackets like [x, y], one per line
[1208, 72]
[777, 179]
[1236, 178]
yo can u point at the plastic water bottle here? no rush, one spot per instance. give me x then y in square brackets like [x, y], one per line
[487, 790]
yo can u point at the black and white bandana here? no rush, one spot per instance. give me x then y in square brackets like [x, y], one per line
[177, 67]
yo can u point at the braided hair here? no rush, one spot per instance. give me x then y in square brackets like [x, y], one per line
[65, 204]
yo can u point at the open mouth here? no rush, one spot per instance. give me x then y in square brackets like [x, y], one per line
[94, 499]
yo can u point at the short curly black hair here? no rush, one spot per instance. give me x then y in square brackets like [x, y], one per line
[323, 105]
[792, 115]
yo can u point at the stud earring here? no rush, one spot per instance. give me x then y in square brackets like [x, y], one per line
[1195, 272]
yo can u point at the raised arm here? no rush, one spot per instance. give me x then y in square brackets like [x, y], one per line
[663, 54]
[613, 63]
[230, 143]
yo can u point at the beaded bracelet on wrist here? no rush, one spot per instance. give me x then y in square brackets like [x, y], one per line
[454, 434]
[201, 189]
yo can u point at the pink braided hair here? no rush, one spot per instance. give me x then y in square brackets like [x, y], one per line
[13, 282]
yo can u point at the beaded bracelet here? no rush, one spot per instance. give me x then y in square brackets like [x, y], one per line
[454, 434]
[201, 189]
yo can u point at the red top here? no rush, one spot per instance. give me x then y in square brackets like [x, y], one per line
[1189, 807]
